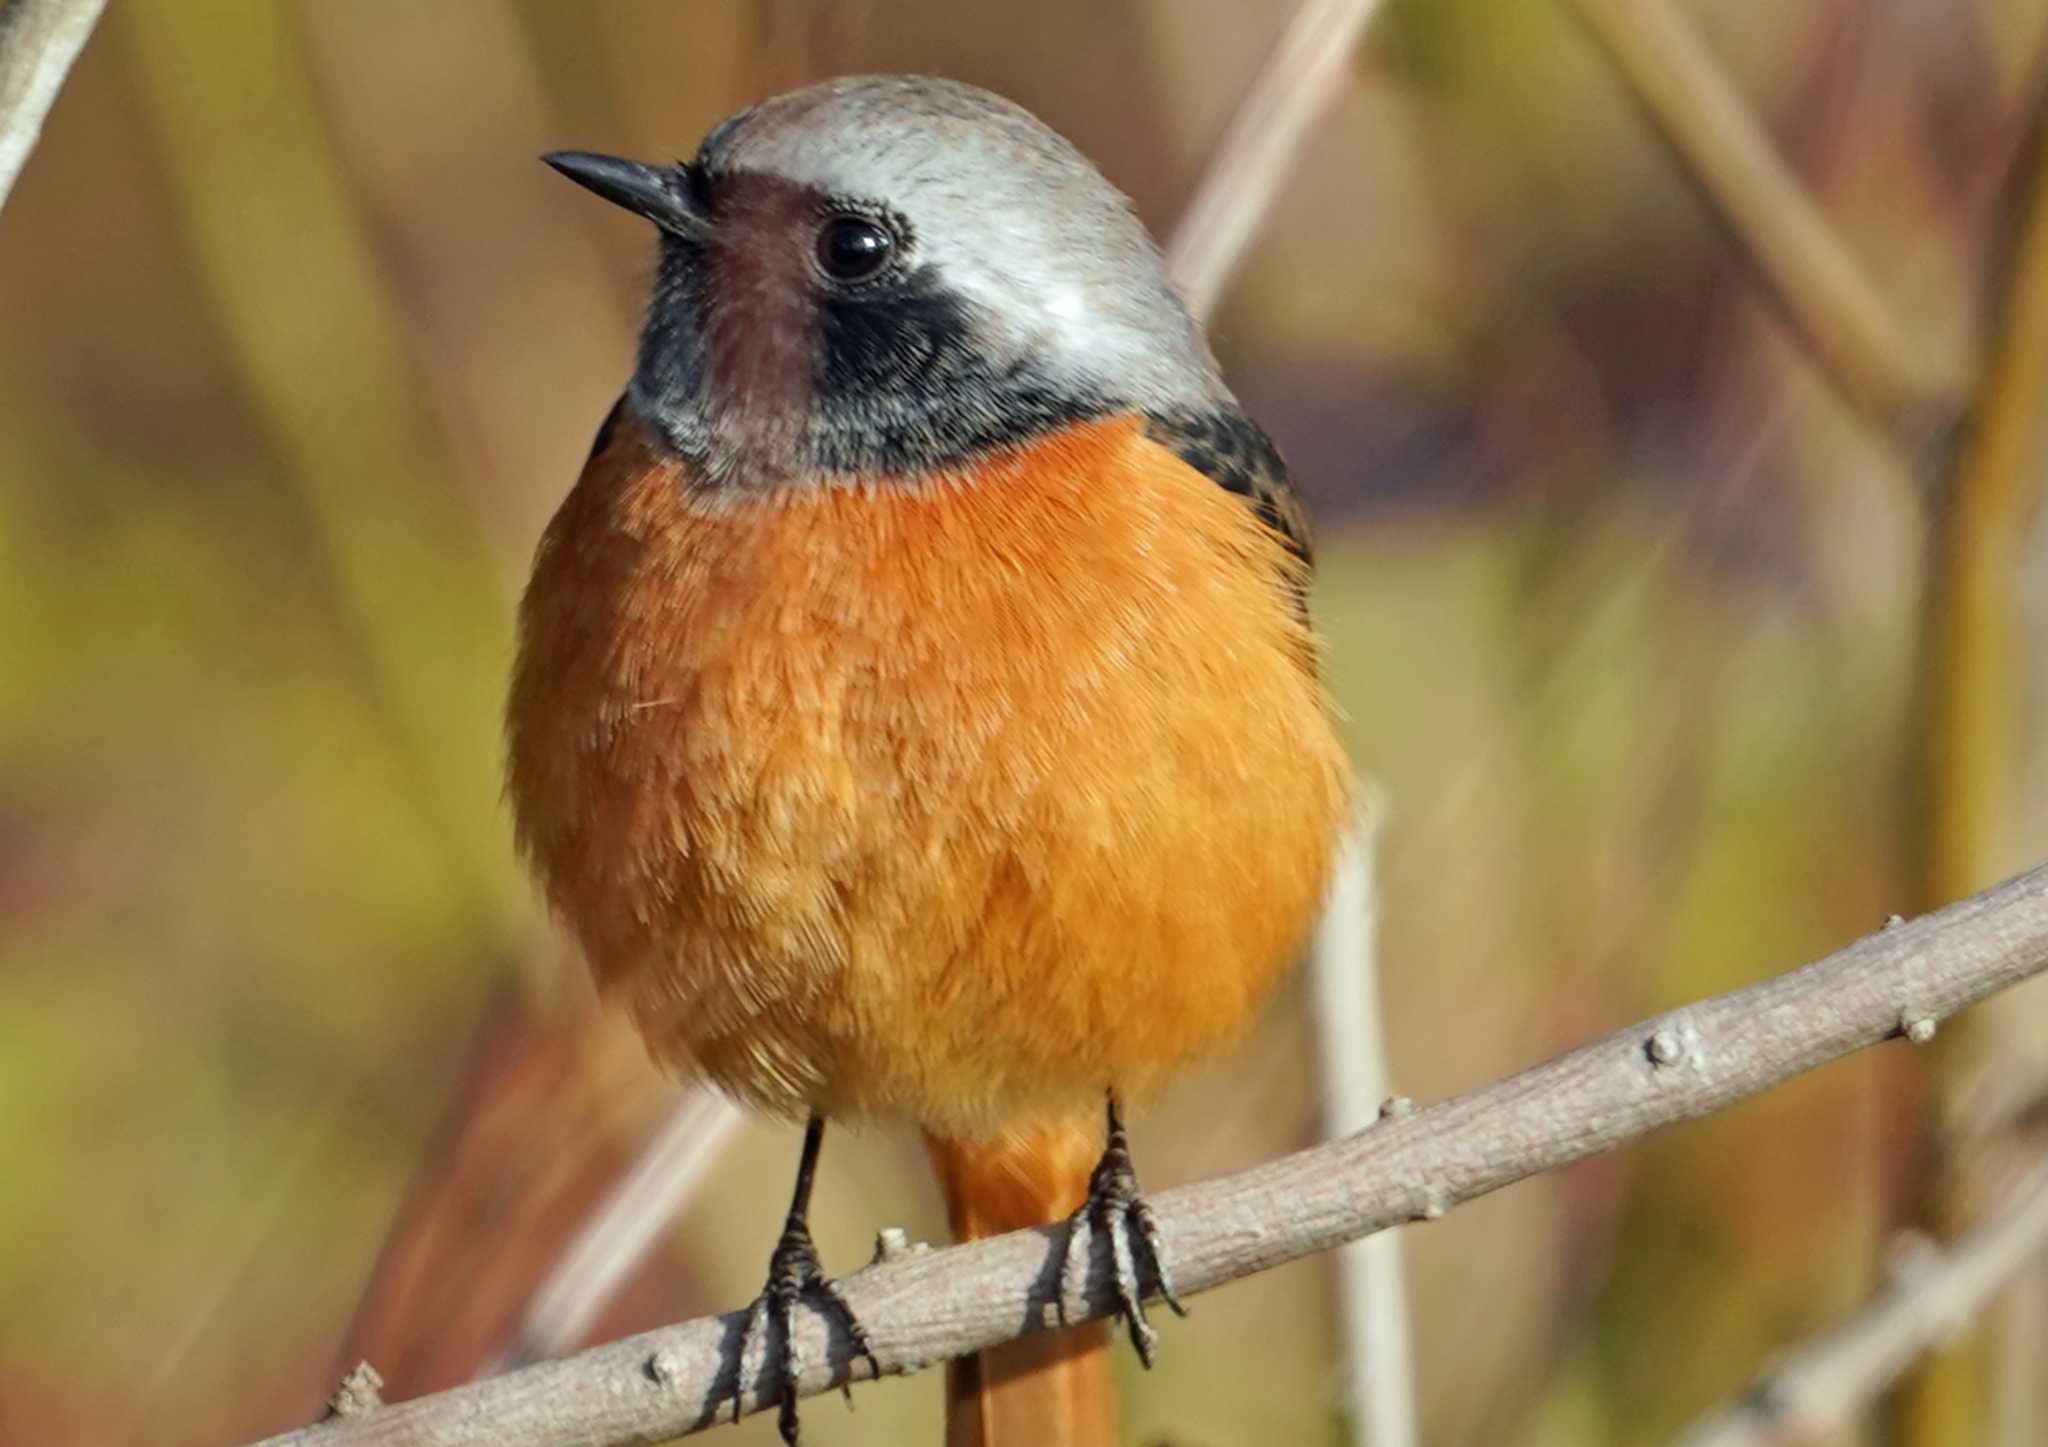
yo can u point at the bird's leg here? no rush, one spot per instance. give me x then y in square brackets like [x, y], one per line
[795, 1274]
[1115, 1208]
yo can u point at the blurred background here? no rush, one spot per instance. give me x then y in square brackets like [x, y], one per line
[1627, 591]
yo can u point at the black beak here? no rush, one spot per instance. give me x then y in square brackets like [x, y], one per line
[662, 194]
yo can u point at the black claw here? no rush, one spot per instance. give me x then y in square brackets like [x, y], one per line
[795, 1275]
[1136, 1249]
[1148, 1232]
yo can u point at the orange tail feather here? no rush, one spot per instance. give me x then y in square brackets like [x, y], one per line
[1051, 1389]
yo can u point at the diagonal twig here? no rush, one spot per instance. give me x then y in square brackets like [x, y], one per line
[1820, 1387]
[1256, 153]
[39, 40]
[1886, 373]
[928, 1307]
[622, 1230]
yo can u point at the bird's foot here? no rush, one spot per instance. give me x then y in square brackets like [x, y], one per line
[794, 1274]
[1116, 1208]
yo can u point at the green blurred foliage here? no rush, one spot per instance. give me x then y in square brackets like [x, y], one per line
[300, 346]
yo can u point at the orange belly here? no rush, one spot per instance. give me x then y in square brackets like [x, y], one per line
[955, 802]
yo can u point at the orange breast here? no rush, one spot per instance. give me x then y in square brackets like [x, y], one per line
[954, 802]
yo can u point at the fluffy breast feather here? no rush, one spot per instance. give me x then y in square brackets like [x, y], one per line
[954, 801]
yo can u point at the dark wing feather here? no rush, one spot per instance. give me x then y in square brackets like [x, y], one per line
[1235, 452]
[609, 428]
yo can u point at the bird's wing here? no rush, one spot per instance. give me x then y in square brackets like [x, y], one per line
[1234, 452]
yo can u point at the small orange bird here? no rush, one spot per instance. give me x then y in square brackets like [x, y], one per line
[916, 715]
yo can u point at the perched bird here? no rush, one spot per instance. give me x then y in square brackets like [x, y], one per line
[916, 715]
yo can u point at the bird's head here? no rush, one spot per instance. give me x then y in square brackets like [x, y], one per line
[879, 277]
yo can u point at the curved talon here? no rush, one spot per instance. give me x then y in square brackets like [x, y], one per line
[749, 1363]
[1136, 1246]
[832, 1302]
[1148, 1232]
[1115, 1217]
[795, 1274]
[1073, 1278]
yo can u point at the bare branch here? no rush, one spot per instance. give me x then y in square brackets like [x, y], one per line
[39, 39]
[1372, 1296]
[924, 1308]
[1820, 1387]
[1890, 375]
[1253, 159]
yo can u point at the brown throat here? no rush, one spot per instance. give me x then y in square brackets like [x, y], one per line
[761, 329]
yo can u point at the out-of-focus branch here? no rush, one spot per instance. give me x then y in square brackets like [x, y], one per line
[622, 1230]
[420, 607]
[1893, 378]
[39, 39]
[1820, 1387]
[1344, 979]
[1257, 151]
[923, 1308]
[524, 1151]
[1969, 748]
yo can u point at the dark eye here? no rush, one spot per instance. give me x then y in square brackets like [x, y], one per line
[853, 248]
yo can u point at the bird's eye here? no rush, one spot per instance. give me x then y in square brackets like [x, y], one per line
[853, 248]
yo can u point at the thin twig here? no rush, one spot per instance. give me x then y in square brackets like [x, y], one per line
[622, 1230]
[39, 39]
[1890, 375]
[1820, 1387]
[924, 1308]
[1257, 152]
[1372, 1298]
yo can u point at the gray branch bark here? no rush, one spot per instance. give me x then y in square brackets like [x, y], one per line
[38, 41]
[923, 1308]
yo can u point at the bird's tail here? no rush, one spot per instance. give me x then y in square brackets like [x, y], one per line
[1049, 1389]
